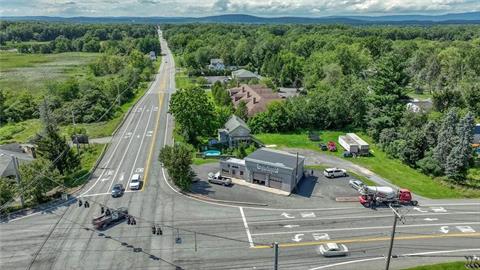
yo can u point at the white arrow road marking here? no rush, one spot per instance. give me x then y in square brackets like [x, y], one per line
[444, 229]
[149, 133]
[104, 179]
[138, 136]
[139, 170]
[430, 219]
[286, 215]
[438, 209]
[291, 226]
[298, 237]
[128, 135]
[122, 176]
[109, 172]
[155, 109]
[308, 215]
[320, 236]
[420, 210]
[466, 229]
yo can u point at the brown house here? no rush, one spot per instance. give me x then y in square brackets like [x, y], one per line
[257, 97]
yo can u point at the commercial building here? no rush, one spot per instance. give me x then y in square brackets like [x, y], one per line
[354, 144]
[267, 167]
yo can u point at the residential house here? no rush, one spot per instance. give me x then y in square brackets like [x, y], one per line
[257, 97]
[243, 75]
[23, 152]
[213, 79]
[417, 106]
[234, 132]
[216, 64]
[152, 56]
[288, 92]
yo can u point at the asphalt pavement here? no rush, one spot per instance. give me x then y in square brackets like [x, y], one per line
[207, 235]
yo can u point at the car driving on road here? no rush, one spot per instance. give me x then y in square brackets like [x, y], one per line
[356, 184]
[117, 190]
[334, 172]
[333, 249]
[135, 182]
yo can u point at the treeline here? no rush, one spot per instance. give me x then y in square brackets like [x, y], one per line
[42, 37]
[113, 80]
[357, 78]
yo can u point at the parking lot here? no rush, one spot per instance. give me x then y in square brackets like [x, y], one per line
[312, 192]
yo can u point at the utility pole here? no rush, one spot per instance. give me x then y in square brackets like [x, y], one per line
[275, 250]
[17, 177]
[396, 216]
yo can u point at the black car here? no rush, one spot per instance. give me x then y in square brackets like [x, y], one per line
[117, 190]
[323, 146]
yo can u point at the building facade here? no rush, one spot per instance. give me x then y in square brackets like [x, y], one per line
[267, 167]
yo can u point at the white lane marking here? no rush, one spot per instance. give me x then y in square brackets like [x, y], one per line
[96, 194]
[320, 236]
[245, 224]
[105, 179]
[369, 228]
[286, 215]
[420, 210]
[113, 152]
[308, 215]
[438, 209]
[364, 217]
[444, 229]
[140, 170]
[465, 229]
[430, 219]
[291, 226]
[298, 237]
[402, 255]
[125, 152]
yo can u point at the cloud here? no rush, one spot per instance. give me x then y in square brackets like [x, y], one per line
[211, 7]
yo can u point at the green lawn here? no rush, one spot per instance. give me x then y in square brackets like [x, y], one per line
[30, 72]
[88, 158]
[393, 170]
[201, 161]
[441, 266]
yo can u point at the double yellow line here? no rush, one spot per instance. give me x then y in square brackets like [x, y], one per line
[154, 138]
[376, 239]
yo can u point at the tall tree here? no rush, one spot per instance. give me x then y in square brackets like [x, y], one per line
[193, 113]
[446, 138]
[38, 177]
[177, 160]
[242, 110]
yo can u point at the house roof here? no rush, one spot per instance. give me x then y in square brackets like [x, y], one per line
[214, 61]
[6, 164]
[257, 97]
[214, 79]
[275, 158]
[234, 122]
[243, 73]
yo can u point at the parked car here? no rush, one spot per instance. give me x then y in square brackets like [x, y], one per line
[347, 154]
[217, 178]
[334, 172]
[135, 182]
[356, 184]
[323, 146]
[117, 190]
[333, 249]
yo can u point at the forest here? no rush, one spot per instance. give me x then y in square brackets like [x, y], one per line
[356, 78]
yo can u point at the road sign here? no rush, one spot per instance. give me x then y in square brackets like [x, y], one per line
[466, 229]
[308, 215]
[286, 215]
[320, 236]
[298, 237]
[444, 229]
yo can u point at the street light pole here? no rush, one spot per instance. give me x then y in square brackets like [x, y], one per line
[396, 216]
[275, 250]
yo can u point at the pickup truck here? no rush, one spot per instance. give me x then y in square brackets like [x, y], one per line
[217, 178]
[103, 221]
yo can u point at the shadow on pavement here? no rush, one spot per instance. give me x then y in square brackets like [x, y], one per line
[306, 186]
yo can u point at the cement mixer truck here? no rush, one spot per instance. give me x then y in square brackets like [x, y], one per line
[385, 195]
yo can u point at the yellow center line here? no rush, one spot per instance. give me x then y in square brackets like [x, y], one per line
[154, 138]
[362, 240]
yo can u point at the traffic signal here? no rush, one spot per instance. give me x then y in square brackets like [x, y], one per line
[159, 231]
[79, 203]
[154, 230]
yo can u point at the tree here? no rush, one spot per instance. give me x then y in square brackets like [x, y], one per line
[178, 160]
[37, 178]
[193, 113]
[459, 158]
[242, 110]
[53, 147]
[446, 138]
[2, 107]
[7, 190]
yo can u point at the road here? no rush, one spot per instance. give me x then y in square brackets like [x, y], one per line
[205, 235]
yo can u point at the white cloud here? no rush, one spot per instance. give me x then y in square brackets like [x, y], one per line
[210, 7]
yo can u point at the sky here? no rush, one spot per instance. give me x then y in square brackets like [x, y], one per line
[266, 8]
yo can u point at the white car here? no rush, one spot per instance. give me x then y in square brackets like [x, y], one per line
[333, 249]
[135, 182]
[356, 184]
[334, 172]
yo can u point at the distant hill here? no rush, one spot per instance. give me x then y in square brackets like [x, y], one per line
[454, 18]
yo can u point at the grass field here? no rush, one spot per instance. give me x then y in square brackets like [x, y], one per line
[30, 72]
[441, 266]
[391, 169]
[88, 158]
